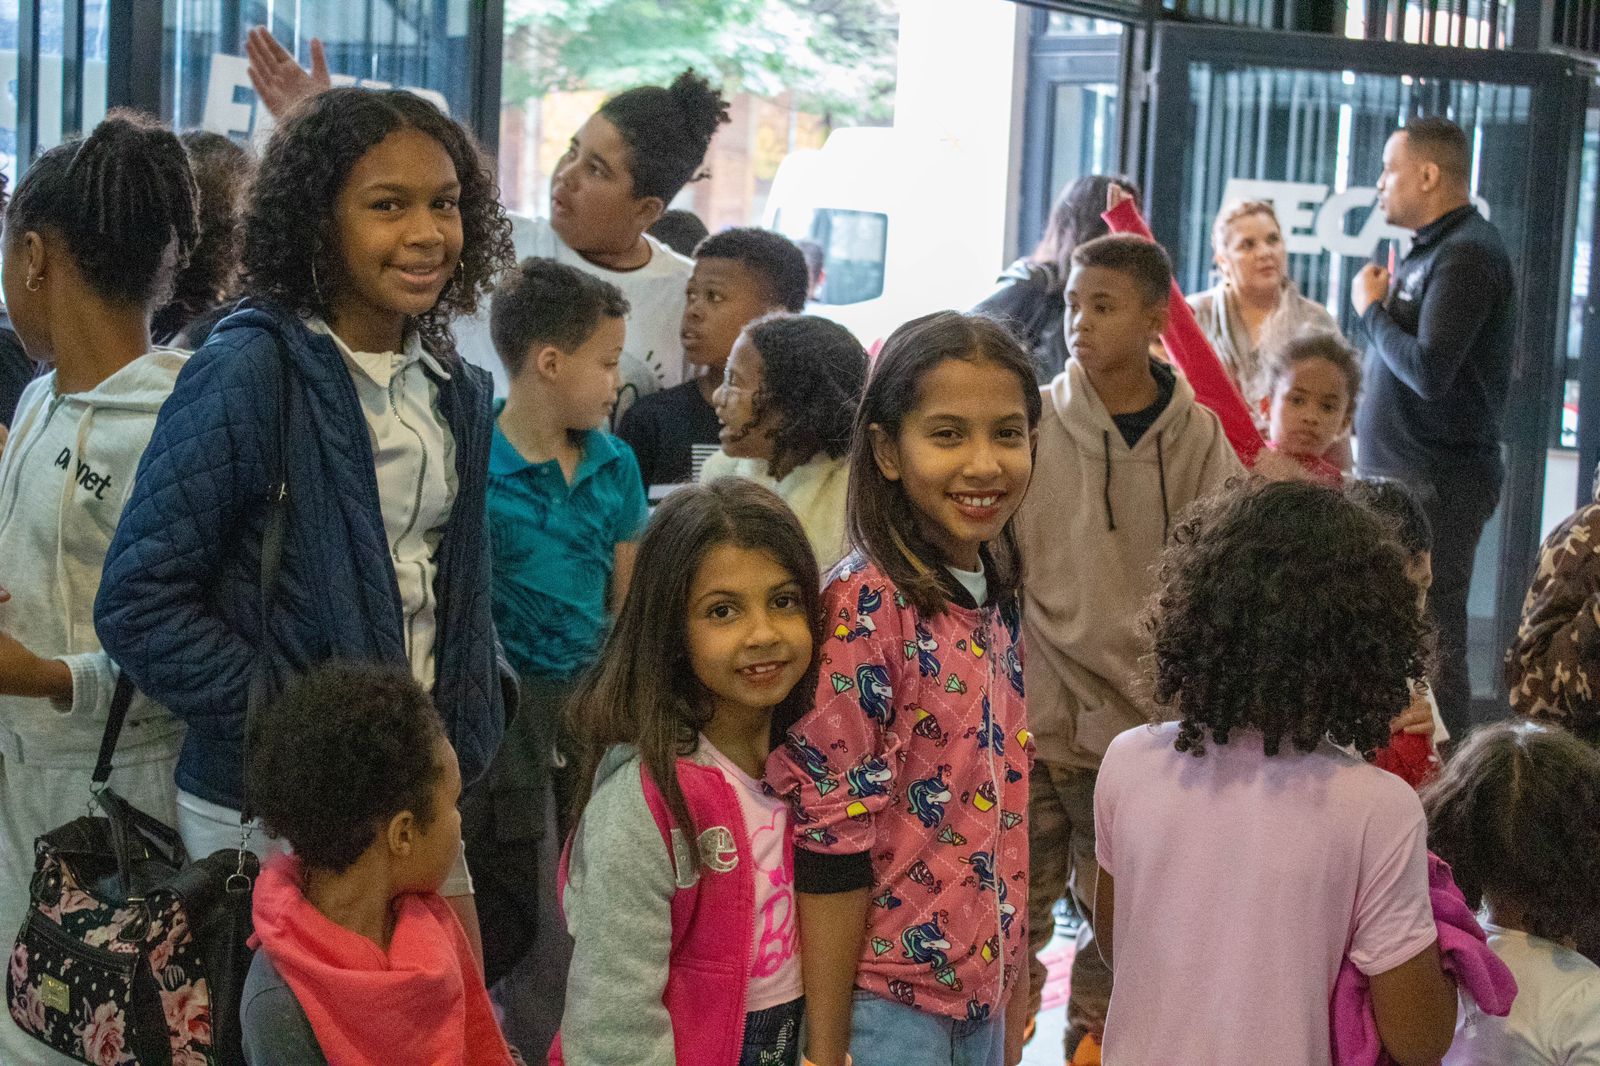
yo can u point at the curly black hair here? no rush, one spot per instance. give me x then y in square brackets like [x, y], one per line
[1284, 607]
[291, 235]
[1516, 814]
[222, 171]
[812, 374]
[544, 302]
[774, 258]
[123, 199]
[1392, 501]
[346, 748]
[668, 131]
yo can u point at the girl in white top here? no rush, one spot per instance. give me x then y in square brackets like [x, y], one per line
[1516, 814]
[96, 231]
[788, 397]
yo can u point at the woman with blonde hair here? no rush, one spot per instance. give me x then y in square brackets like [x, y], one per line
[1257, 305]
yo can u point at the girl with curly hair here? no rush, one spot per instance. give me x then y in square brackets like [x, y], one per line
[786, 403]
[1286, 633]
[373, 223]
[682, 862]
[1516, 814]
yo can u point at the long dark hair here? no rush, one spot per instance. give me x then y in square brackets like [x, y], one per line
[1074, 219]
[291, 235]
[1516, 814]
[642, 691]
[882, 522]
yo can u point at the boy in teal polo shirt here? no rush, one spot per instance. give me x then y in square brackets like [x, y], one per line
[566, 508]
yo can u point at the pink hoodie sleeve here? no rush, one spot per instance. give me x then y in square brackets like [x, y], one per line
[847, 728]
[1187, 344]
[1465, 954]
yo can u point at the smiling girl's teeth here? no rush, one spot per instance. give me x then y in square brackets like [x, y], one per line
[763, 668]
[977, 501]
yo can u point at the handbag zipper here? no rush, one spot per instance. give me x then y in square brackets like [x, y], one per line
[123, 962]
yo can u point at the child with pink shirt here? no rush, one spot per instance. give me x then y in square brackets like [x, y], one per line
[1285, 635]
[678, 885]
[909, 779]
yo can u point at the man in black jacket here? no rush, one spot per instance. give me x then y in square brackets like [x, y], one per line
[1439, 352]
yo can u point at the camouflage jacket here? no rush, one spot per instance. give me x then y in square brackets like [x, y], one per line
[1553, 667]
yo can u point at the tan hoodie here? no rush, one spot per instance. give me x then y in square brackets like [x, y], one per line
[1092, 527]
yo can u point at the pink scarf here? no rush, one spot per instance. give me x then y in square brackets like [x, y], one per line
[422, 1004]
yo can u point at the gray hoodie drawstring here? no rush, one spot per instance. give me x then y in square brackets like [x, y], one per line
[1111, 520]
[1161, 472]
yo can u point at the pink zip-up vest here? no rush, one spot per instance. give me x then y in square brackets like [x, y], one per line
[708, 973]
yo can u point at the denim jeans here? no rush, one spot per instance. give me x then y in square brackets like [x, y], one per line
[885, 1033]
[772, 1036]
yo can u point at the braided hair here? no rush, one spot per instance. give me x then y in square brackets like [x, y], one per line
[122, 199]
[668, 131]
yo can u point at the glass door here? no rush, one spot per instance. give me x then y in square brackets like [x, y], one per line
[1301, 120]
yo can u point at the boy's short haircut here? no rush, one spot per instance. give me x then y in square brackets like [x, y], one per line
[346, 748]
[542, 302]
[1441, 142]
[1142, 260]
[1399, 508]
[774, 258]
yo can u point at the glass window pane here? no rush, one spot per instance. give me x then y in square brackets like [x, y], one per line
[853, 247]
[1085, 140]
[412, 44]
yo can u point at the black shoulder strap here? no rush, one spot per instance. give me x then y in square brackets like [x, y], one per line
[260, 690]
[121, 697]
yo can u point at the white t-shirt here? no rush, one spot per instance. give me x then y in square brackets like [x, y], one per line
[1242, 883]
[652, 353]
[1555, 1019]
[775, 962]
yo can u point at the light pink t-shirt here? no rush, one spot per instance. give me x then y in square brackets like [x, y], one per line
[1242, 881]
[775, 962]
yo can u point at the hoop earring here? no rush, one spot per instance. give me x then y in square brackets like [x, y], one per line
[316, 284]
[34, 283]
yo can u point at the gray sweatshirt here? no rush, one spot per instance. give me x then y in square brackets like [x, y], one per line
[64, 477]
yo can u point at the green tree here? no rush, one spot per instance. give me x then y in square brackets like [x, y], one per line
[836, 56]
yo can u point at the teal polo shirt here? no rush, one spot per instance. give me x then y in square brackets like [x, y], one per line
[554, 548]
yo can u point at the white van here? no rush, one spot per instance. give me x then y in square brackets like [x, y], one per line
[894, 247]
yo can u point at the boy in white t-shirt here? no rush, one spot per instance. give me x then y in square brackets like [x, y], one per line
[1243, 855]
[1516, 814]
[622, 168]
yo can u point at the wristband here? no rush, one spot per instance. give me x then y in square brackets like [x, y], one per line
[807, 1062]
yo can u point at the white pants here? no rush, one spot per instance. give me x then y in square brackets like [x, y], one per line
[34, 799]
[207, 827]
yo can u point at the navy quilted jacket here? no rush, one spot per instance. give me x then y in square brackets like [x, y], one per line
[180, 600]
